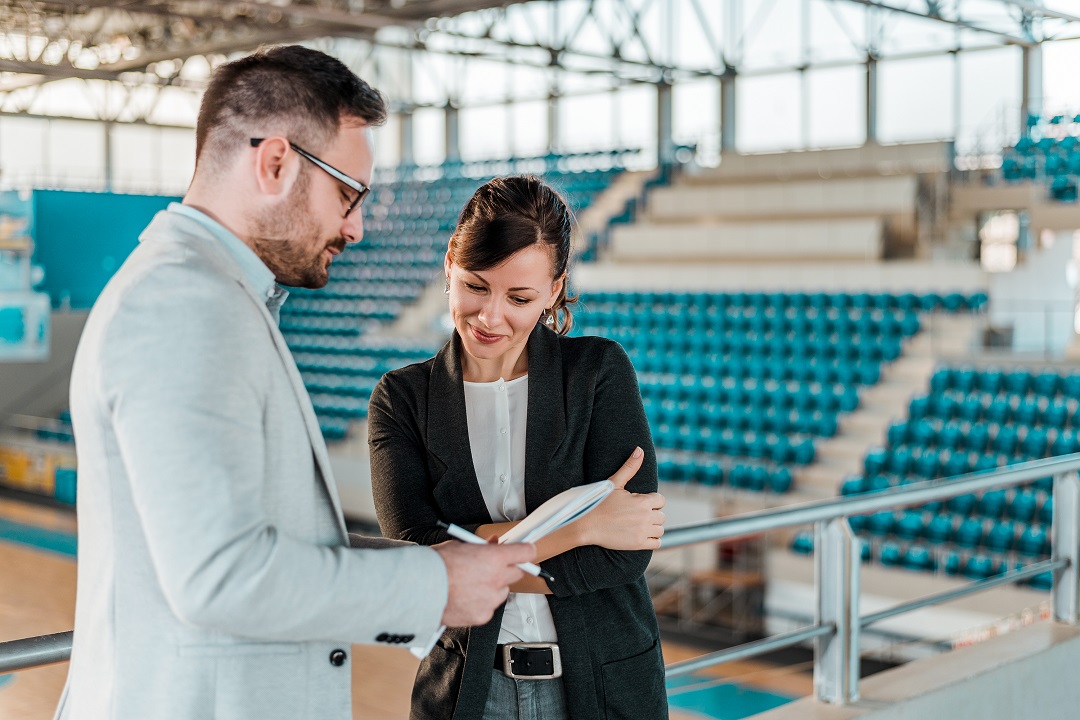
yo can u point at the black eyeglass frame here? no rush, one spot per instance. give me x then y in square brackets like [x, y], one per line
[361, 189]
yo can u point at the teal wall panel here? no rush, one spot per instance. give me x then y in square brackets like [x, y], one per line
[81, 238]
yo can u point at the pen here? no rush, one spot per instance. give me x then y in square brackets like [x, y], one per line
[464, 535]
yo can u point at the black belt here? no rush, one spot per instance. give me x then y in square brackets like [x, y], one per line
[529, 661]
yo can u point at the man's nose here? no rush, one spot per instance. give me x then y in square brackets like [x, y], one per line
[352, 227]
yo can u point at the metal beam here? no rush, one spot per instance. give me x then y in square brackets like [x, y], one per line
[1037, 9]
[968, 25]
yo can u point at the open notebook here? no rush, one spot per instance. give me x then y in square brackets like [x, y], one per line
[556, 512]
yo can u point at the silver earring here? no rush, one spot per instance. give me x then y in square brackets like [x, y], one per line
[446, 291]
[550, 317]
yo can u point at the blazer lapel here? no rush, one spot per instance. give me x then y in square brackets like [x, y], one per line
[447, 433]
[172, 226]
[546, 427]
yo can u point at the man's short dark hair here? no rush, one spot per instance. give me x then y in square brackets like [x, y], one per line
[304, 92]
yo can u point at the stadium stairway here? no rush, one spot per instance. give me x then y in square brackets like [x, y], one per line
[880, 405]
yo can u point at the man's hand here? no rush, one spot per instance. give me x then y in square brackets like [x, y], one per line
[480, 578]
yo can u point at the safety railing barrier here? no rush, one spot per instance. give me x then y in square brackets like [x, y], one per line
[838, 625]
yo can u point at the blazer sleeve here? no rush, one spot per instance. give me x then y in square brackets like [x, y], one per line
[402, 492]
[187, 397]
[617, 424]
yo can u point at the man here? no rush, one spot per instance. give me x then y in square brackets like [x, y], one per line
[215, 578]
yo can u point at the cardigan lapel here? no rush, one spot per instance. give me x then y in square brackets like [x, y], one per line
[171, 226]
[546, 424]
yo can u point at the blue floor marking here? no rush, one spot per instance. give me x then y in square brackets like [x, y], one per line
[37, 537]
[720, 699]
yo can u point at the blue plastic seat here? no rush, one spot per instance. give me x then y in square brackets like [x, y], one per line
[910, 525]
[1022, 506]
[992, 503]
[1018, 381]
[880, 523]
[780, 480]
[891, 554]
[1034, 444]
[1001, 537]
[979, 567]
[939, 529]
[1034, 541]
[897, 433]
[803, 542]
[1046, 511]
[928, 464]
[853, 486]
[1065, 443]
[918, 557]
[1046, 383]
[970, 533]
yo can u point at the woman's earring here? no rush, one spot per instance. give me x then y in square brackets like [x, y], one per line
[447, 290]
[549, 317]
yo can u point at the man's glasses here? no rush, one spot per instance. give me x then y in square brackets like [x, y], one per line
[361, 189]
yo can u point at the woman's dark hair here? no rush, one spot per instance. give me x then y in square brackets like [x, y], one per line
[508, 214]
[304, 92]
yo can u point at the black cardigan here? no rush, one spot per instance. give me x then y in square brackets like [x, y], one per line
[584, 418]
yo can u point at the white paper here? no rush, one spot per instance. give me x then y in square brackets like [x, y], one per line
[563, 509]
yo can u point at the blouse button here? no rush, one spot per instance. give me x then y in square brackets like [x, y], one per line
[529, 620]
[502, 478]
[503, 431]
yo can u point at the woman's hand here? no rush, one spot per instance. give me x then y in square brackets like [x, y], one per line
[625, 520]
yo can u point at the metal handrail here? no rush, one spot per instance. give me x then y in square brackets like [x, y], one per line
[761, 521]
[837, 629]
[35, 651]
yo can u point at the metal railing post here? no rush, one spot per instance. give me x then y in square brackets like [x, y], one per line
[836, 656]
[1065, 537]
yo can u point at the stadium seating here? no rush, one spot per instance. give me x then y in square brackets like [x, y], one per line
[738, 386]
[1049, 153]
[971, 420]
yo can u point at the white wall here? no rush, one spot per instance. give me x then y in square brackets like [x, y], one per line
[894, 276]
[866, 160]
[847, 239]
[851, 196]
[1036, 300]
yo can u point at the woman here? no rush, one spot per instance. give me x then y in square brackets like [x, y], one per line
[508, 414]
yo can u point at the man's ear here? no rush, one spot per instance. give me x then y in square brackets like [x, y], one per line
[275, 170]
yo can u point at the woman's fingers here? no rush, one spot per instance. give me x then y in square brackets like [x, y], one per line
[629, 468]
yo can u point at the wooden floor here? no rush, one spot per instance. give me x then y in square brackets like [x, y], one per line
[37, 597]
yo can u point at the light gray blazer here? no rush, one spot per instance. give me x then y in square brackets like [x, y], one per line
[215, 578]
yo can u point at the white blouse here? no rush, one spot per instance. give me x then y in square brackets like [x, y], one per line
[497, 413]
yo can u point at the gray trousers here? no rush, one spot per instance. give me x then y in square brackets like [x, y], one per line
[511, 699]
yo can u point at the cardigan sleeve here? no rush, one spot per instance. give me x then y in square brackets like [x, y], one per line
[402, 492]
[617, 425]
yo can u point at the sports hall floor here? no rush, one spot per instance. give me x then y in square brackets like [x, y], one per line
[37, 597]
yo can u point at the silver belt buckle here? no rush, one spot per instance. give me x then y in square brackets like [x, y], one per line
[507, 662]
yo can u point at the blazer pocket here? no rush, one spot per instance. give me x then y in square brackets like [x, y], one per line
[237, 649]
[634, 687]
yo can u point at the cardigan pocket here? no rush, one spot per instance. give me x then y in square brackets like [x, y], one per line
[634, 687]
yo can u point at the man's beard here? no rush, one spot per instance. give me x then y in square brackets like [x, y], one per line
[288, 240]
